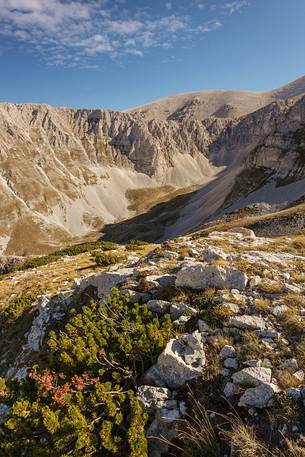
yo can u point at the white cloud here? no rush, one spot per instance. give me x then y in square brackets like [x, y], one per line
[210, 26]
[233, 7]
[76, 32]
[135, 52]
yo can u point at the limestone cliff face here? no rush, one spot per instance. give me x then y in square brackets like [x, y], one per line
[66, 172]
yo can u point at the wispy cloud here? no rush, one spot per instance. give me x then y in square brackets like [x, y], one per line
[233, 7]
[76, 32]
[210, 26]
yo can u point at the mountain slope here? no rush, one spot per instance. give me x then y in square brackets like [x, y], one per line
[222, 104]
[65, 173]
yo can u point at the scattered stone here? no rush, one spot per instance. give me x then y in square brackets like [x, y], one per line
[299, 375]
[153, 398]
[294, 393]
[107, 280]
[203, 326]
[231, 389]
[255, 281]
[182, 320]
[289, 288]
[259, 397]
[136, 297]
[278, 310]
[227, 352]
[248, 234]
[162, 280]
[159, 306]
[290, 364]
[268, 333]
[183, 359]
[233, 307]
[252, 376]
[178, 309]
[247, 322]
[47, 310]
[231, 363]
[212, 253]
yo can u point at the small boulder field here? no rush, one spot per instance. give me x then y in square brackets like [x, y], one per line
[194, 347]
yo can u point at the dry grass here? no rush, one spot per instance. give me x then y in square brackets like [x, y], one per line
[141, 200]
[295, 301]
[298, 278]
[271, 287]
[262, 305]
[293, 324]
[296, 449]
[286, 379]
[197, 433]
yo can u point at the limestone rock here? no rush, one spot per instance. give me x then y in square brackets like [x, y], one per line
[247, 322]
[177, 310]
[259, 397]
[108, 280]
[247, 233]
[252, 376]
[213, 253]
[183, 359]
[227, 352]
[200, 276]
[230, 389]
[153, 398]
[159, 306]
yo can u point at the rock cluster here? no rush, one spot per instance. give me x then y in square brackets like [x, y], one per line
[250, 334]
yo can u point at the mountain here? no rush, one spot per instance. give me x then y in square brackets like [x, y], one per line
[167, 167]
[217, 103]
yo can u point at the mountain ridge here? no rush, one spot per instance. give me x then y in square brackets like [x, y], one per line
[65, 173]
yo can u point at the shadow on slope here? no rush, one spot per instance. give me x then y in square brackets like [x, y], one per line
[149, 226]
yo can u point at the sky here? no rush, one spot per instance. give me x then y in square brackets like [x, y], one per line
[118, 54]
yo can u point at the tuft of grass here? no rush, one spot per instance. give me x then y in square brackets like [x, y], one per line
[198, 434]
[270, 287]
[286, 379]
[243, 439]
[262, 305]
[293, 300]
[293, 324]
[251, 347]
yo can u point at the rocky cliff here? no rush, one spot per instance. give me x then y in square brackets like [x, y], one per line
[65, 173]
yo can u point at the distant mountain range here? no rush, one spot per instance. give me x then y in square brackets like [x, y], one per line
[66, 173]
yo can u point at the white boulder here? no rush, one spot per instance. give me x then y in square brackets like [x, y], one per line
[107, 280]
[252, 376]
[183, 359]
[200, 276]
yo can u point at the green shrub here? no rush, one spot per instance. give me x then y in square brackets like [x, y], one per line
[105, 260]
[16, 308]
[69, 251]
[134, 245]
[81, 400]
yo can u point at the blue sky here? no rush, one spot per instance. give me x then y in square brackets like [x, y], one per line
[121, 53]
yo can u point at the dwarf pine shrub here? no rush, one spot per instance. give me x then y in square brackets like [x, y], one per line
[81, 401]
